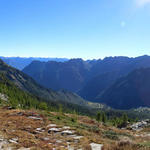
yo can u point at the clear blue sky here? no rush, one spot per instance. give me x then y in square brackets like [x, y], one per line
[74, 28]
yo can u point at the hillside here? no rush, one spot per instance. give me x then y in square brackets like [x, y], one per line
[97, 85]
[130, 91]
[70, 75]
[24, 92]
[24, 82]
[105, 72]
[87, 78]
[48, 130]
[28, 122]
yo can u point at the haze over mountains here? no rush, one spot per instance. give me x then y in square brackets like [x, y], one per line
[27, 84]
[21, 62]
[70, 75]
[130, 91]
[96, 80]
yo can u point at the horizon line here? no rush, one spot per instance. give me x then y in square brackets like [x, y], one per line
[42, 57]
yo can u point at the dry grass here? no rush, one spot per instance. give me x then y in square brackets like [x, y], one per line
[16, 124]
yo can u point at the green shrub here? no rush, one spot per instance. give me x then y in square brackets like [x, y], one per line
[43, 106]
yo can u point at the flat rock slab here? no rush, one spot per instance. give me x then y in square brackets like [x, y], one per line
[39, 130]
[51, 125]
[66, 127]
[70, 148]
[67, 132]
[76, 137]
[13, 141]
[53, 130]
[24, 149]
[35, 118]
[4, 145]
[95, 146]
[4, 97]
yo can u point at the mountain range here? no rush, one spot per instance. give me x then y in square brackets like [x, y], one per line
[70, 75]
[92, 80]
[128, 92]
[21, 62]
[27, 84]
[105, 72]
[81, 76]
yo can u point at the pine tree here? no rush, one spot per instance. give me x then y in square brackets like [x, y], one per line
[98, 117]
[60, 109]
[104, 117]
[125, 118]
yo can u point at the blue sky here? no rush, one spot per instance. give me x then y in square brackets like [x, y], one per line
[74, 28]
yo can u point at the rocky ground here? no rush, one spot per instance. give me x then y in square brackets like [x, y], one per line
[140, 125]
[27, 130]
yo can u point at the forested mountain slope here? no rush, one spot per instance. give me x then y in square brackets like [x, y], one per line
[87, 78]
[26, 83]
[130, 91]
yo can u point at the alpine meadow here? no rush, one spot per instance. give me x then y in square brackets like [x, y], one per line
[74, 75]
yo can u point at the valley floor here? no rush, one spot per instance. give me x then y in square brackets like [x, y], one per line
[36, 130]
